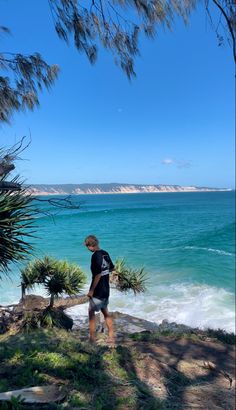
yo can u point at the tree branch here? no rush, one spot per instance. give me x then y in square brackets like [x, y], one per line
[229, 24]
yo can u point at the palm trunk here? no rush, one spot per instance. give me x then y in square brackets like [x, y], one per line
[23, 288]
[52, 300]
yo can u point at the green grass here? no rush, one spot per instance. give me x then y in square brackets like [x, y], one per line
[194, 335]
[222, 336]
[94, 377]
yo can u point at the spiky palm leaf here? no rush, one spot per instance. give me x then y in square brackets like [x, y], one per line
[37, 271]
[130, 279]
[56, 283]
[74, 277]
[28, 276]
[17, 214]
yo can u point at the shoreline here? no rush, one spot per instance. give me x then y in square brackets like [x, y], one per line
[79, 315]
[34, 302]
[126, 320]
[46, 193]
[116, 188]
[132, 306]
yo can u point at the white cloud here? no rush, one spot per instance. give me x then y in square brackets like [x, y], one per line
[167, 161]
[182, 163]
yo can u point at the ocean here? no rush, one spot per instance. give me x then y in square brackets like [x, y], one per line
[185, 242]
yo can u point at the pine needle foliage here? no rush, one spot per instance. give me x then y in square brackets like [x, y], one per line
[28, 75]
[114, 25]
[127, 278]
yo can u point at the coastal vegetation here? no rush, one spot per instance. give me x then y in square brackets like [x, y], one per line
[127, 278]
[57, 277]
[16, 216]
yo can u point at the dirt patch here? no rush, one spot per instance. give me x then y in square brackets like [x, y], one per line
[187, 374]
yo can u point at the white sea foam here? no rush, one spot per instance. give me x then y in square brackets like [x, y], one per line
[219, 251]
[198, 248]
[193, 305]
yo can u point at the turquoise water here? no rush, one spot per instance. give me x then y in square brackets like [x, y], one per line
[185, 241]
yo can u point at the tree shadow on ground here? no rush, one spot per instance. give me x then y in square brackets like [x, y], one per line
[143, 392]
[183, 365]
[94, 377]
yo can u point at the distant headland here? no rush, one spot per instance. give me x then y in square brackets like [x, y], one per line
[112, 188]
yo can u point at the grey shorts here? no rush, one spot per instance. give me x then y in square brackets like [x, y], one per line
[97, 304]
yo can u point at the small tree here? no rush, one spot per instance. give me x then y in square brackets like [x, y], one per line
[126, 278]
[57, 276]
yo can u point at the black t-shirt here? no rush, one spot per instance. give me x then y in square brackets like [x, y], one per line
[101, 263]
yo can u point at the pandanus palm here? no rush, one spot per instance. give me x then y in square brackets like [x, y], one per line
[57, 276]
[16, 218]
[126, 278]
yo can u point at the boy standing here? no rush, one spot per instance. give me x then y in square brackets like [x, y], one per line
[101, 266]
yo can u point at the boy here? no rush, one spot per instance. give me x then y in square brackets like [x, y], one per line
[101, 266]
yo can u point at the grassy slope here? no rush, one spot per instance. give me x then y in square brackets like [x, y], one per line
[94, 376]
[139, 374]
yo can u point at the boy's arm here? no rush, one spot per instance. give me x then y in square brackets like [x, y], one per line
[94, 284]
[97, 267]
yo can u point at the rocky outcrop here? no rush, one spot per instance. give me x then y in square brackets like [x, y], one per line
[125, 325]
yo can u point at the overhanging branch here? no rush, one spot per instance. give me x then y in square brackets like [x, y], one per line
[229, 25]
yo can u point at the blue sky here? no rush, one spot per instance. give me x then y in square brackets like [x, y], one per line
[173, 124]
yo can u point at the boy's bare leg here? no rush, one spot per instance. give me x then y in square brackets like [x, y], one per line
[109, 323]
[92, 326]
